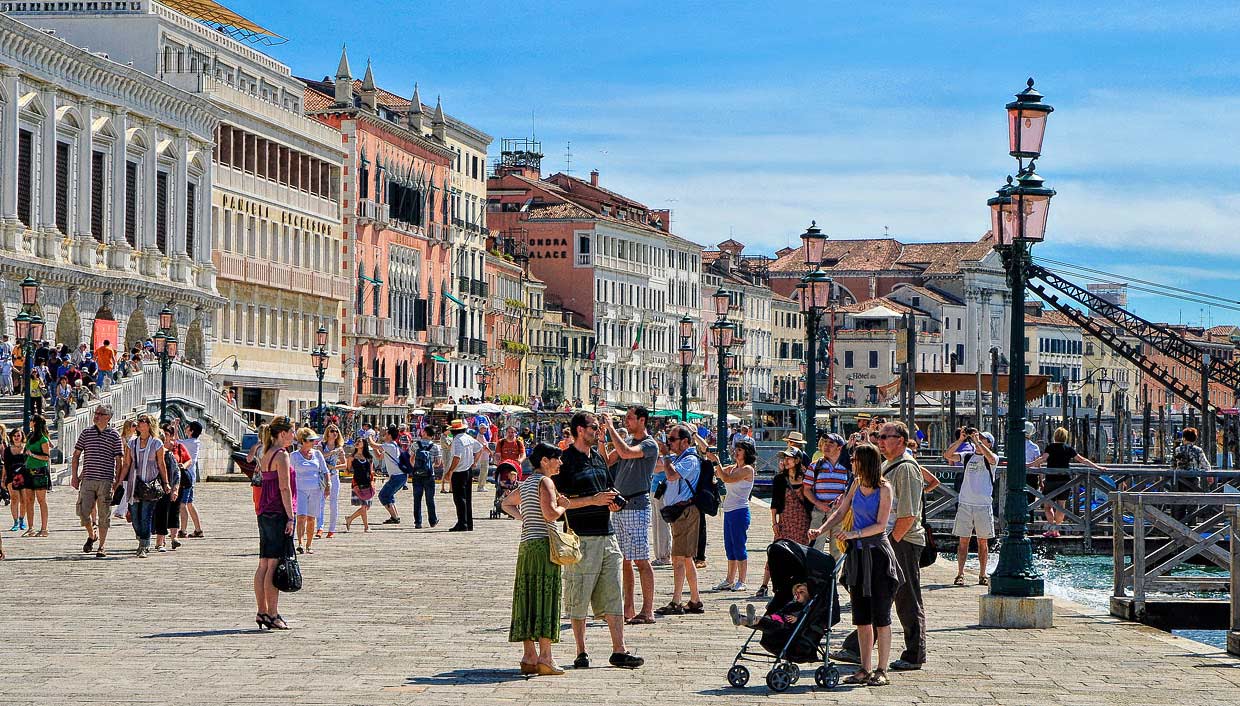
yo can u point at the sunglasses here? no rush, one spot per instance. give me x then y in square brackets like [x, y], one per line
[889, 436]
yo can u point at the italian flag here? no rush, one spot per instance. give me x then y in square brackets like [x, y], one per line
[641, 328]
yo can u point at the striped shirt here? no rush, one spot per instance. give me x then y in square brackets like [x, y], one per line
[533, 526]
[99, 450]
[828, 480]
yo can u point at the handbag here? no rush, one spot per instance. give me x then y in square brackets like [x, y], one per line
[287, 577]
[148, 490]
[364, 493]
[565, 545]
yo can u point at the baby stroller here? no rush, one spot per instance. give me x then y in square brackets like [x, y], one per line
[807, 640]
[507, 476]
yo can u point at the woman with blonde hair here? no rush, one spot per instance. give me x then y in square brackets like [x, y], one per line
[332, 448]
[1058, 456]
[128, 428]
[310, 471]
[146, 480]
[277, 506]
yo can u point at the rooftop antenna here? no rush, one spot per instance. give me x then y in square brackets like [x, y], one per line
[568, 158]
[533, 133]
[886, 232]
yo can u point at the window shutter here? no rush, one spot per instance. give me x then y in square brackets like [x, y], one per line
[161, 212]
[131, 203]
[419, 314]
[62, 187]
[191, 203]
[97, 162]
[25, 177]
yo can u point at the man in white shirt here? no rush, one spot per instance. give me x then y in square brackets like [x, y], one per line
[397, 476]
[465, 452]
[193, 445]
[974, 508]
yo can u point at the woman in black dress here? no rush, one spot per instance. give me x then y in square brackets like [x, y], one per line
[1058, 456]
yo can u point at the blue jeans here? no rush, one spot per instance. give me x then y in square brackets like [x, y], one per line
[387, 494]
[143, 519]
[423, 486]
[736, 533]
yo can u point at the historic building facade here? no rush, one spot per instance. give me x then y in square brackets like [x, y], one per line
[610, 261]
[105, 195]
[275, 220]
[395, 196]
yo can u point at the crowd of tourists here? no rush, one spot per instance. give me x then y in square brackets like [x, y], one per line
[64, 378]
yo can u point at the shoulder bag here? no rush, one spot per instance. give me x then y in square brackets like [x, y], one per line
[287, 576]
[565, 545]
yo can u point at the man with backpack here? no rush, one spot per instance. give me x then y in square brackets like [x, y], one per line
[426, 459]
[974, 508]
[684, 472]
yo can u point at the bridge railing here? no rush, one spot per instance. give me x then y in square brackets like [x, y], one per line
[1085, 497]
[140, 392]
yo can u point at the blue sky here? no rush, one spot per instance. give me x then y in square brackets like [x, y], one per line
[750, 119]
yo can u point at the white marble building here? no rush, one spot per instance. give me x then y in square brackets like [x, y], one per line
[105, 196]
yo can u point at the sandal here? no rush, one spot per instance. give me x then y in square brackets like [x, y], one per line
[878, 678]
[983, 580]
[197, 534]
[639, 620]
[959, 580]
[859, 678]
[42, 533]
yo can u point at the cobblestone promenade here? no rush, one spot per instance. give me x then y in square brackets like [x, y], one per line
[405, 616]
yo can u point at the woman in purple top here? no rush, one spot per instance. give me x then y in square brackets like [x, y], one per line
[276, 509]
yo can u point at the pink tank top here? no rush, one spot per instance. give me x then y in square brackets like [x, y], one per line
[269, 498]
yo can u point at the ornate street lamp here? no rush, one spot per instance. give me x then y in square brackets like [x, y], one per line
[815, 288]
[29, 329]
[687, 353]
[318, 358]
[484, 379]
[1019, 214]
[165, 340]
[594, 390]
[722, 333]
[654, 395]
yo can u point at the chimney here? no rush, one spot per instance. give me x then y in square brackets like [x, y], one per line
[593, 177]
[664, 216]
[1033, 309]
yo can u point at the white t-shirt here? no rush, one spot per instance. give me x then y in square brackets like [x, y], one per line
[978, 486]
[391, 457]
[192, 446]
[466, 448]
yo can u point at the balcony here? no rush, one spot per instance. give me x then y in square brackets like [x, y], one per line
[439, 389]
[478, 288]
[369, 211]
[474, 346]
[583, 259]
[444, 337]
[379, 386]
[462, 285]
[370, 327]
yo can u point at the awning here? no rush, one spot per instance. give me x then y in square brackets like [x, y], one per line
[675, 414]
[369, 279]
[1035, 385]
[451, 298]
[439, 359]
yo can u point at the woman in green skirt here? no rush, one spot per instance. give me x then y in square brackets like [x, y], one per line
[536, 591]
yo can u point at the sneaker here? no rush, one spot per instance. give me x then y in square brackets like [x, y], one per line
[762, 592]
[903, 665]
[301, 549]
[175, 544]
[89, 544]
[723, 585]
[625, 660]
[846, 656]
[672, 608]
[751, 615]
[391, 521]
[661, 562]
[16, 526]
[23, 523]
[582, 661]
[735, 611]
[161, 549]
[141, 553]
[740, 586]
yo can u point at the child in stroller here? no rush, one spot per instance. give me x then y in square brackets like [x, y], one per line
[507, 476]
[795, 627]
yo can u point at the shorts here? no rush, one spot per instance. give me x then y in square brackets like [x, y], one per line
[595, 580]
[186, 496]
[272, 542]
[974, 519]
[633, 532]
[38, 479]
[685, 532]
[1052, 482]
[308, 501]
[95, 496]
[736, 534]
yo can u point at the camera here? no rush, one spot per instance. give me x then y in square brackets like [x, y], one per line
[620, 502]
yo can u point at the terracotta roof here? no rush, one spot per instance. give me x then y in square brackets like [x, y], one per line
[889, 254]
[1051, 317]
[940, 297]
[314, 99]
[621, 198]
[862, 307]
[709, 256]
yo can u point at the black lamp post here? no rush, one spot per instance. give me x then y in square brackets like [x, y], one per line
[654, 395]
[594, 390]
[319, 359]
[686, 359]
[815, 296]
[722, 332]
[29, 329]
[1018, 219]
[484, 379]
[166, 349]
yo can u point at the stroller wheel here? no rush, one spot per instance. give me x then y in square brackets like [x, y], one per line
[738, 675]
[779, 678]
[794, 671]
[827, 677]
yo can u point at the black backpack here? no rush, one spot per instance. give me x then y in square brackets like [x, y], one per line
[706, 492]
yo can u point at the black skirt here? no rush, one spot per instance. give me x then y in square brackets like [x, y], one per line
[273, 543]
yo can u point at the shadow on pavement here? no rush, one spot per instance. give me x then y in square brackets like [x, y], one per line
[205, 633]
[468, 676]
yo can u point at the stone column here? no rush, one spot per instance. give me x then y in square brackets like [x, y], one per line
[115, 245]
[8, 148]
[83, 252]
[45, 203]
[177, 239]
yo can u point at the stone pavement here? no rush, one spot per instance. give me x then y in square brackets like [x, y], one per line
[420, 617]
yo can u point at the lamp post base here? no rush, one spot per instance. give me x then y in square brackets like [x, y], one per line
[1013, 612]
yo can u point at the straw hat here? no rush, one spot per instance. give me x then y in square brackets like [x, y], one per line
[457, 426]
[795, 438]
